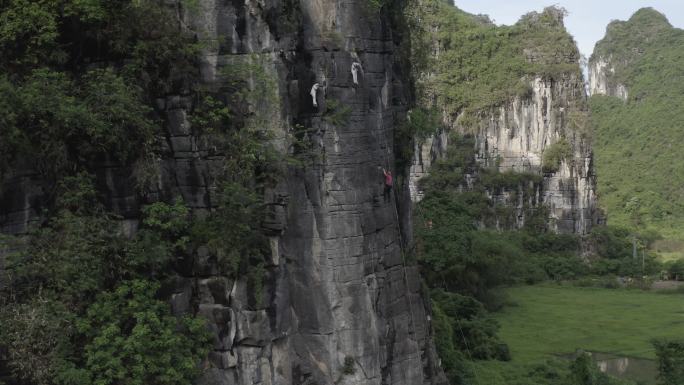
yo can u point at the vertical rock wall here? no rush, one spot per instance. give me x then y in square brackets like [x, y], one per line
[514, 136]
[339, 305]
[601, 74]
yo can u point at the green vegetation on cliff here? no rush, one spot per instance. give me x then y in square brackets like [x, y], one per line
[627, 41]
[78, 79]
[637, 142]
[466, 63]
[85, 302]
[83, 306]
[555, 154]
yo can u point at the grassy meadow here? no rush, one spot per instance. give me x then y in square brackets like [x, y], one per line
[544, 321]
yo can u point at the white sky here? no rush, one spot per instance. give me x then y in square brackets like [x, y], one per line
[587, 19]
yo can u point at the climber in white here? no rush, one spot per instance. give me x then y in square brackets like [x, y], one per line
[355, 68]
[314, 89]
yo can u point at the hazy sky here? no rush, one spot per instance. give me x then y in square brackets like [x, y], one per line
[587, 19]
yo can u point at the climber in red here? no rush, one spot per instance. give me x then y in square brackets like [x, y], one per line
[388, 185]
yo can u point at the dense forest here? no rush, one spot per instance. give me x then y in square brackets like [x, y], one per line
[84, 302]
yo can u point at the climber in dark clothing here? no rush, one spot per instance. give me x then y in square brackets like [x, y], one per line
[388, 185]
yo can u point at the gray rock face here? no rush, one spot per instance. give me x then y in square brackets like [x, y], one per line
[337, 290]
[514, 137]
[601, 79]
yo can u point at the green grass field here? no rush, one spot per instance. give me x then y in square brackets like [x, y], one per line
[546, 320]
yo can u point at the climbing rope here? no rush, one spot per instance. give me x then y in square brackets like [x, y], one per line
[470, 355]
[403, 255]
[406, 282]
[412, 327]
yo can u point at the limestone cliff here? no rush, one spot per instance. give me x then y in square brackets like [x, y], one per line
[601, 79]
[521, 132]
[339, 304]
[513, 137]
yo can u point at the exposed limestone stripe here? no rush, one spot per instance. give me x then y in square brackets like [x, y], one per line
[601, 79]
[314, 91]
[514, 137]
[355, 68]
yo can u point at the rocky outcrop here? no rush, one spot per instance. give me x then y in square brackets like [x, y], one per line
[339, 304]
[514, 137]
[425, 152]
[601, 79]
[537, 136]
[622, 46]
